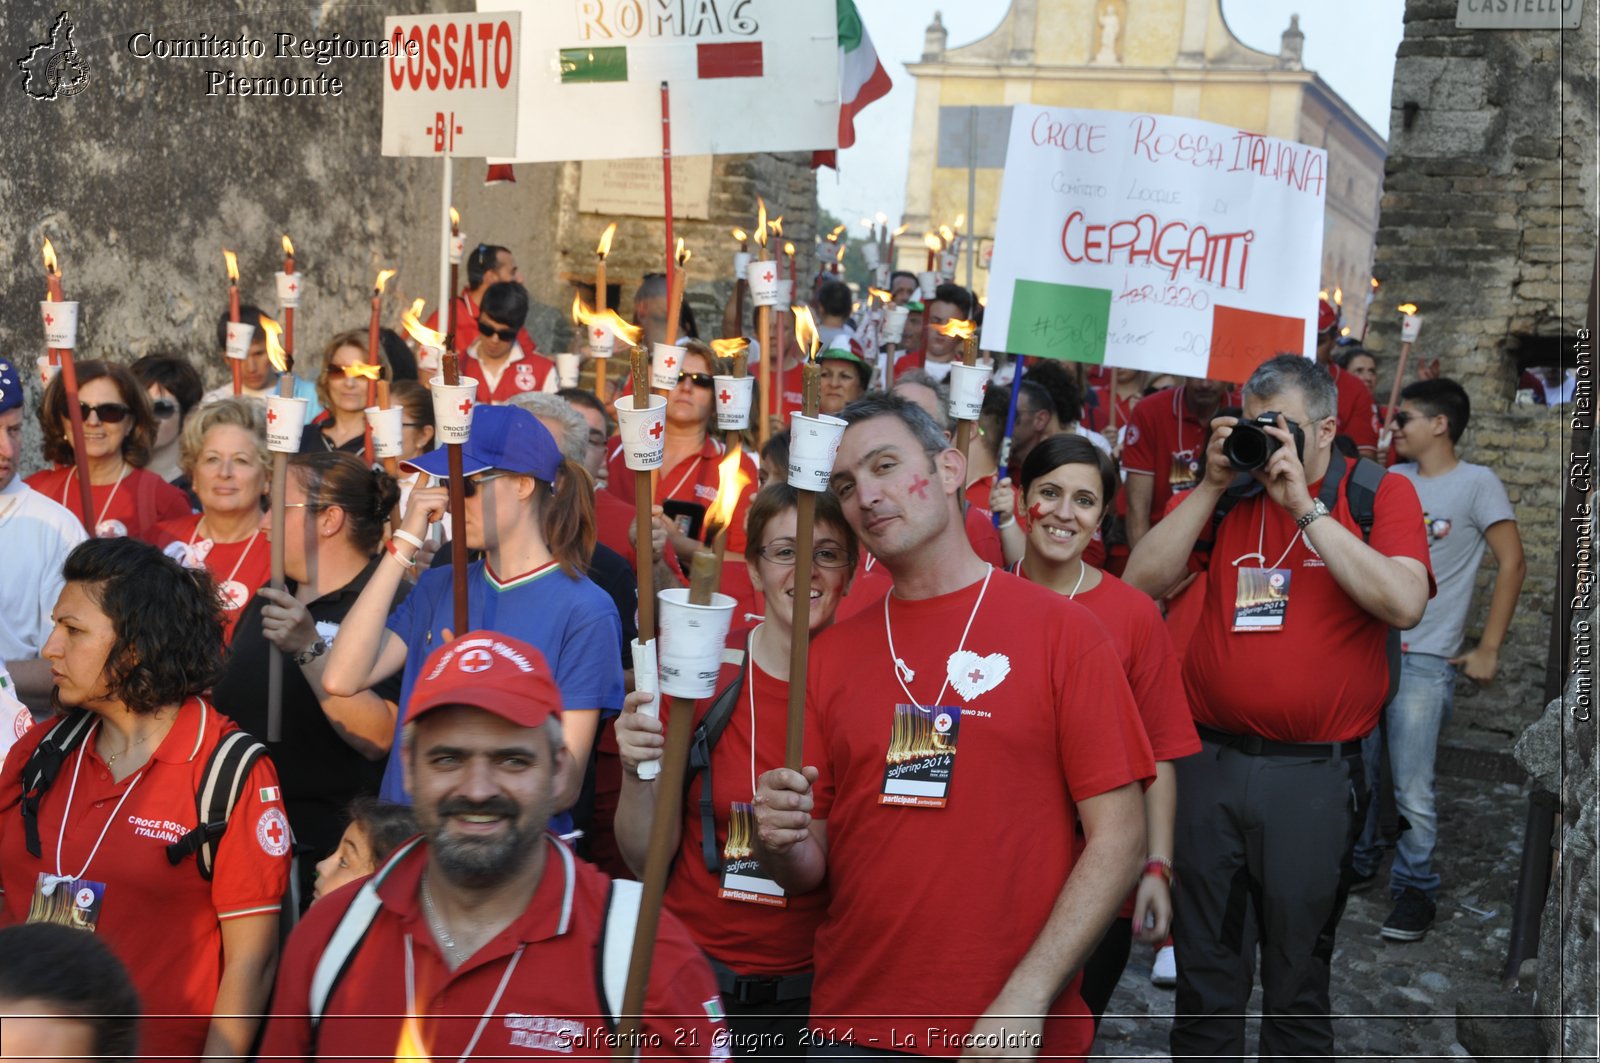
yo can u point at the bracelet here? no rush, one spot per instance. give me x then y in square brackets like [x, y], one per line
[1007, 523]
[407, 563]
[406, 537]
[1159, 865]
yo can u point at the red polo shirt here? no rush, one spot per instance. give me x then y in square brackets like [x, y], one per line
[524, 372]
[132, 507]
[551, 1003]
[1358, 413]
[1165, 440]
[467, 326]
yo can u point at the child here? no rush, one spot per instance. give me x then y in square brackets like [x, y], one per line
[376, 830]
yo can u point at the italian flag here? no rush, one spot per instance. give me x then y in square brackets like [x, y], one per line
[862, 78]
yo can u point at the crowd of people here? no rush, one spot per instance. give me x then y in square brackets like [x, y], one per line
[1046, 716]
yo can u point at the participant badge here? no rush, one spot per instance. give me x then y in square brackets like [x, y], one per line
[1262, 599]
[69, 902]
[922, 755]
[743, 878]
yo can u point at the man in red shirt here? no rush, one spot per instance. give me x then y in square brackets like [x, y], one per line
[486, 930]
[1268, 812]
[502, 359]
[1163, 452]
[1358, 411]
[950, 302]
[488, 264]
[947, 745]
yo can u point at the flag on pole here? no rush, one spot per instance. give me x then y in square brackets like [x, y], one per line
[862, 78]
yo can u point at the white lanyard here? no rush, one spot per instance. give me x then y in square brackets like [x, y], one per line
[694, 468]
[1261, 543]
[901, 672]
[754, 667]
[52, 881]
[122, 472]
[242, 554]
[411, 994]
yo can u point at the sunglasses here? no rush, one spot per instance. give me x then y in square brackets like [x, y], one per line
[506, 334]
[108, 412]
[1402, 418]
[164, 409]
[699, 380]
[469, 486]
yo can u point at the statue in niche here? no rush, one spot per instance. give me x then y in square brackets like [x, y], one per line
[1110, 25]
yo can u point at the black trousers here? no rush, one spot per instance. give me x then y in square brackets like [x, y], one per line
[1103, 969]
[1263, 845]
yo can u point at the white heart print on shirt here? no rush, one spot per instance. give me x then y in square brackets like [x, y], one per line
[972, 675]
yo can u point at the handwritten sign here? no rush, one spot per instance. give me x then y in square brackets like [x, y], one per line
[745, 75]
[450, 85]
[1153, 242]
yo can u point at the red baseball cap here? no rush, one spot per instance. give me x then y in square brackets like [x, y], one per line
[488, 671]
[1327, 316]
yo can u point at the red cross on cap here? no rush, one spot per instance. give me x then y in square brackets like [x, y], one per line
[475, 661]
[466, 406]
[655, 430]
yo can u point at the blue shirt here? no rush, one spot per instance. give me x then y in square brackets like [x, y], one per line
[567, 618]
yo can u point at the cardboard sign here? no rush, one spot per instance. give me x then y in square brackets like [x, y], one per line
[1153, 242]
[746, 76]
[451, 84]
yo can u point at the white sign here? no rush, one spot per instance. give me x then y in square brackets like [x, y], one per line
[451, 84]
[1153, 242]
[745, 76]
[1518, 14]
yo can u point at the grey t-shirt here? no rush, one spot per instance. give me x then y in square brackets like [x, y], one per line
[1457, 508]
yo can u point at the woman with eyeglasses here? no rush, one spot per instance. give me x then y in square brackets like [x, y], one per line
[333, 748]
[759, 940]
[342, 390]
[174, 388]
[118, 428]
[1068, 486]
[225, 456]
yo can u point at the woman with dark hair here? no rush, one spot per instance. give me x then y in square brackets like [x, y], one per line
[1068, 487]
[342, 391]
[174, 388]
[64, 995]
[137, 637]
[844, 377]
[333, 747]
[416, 439]
[759, 941]
[118, 429]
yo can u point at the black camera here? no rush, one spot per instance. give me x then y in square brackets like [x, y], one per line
[1248, 447]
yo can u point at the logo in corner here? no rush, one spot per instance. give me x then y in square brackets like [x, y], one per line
[53, 68]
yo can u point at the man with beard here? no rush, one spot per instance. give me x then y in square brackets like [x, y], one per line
[485, 925]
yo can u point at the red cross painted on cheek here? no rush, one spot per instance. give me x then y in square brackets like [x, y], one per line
[919, 487]
[1036, 511]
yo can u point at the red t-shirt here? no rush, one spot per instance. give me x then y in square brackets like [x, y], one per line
[1323, 675]
[132, 507]
[551, 1004]
[694, 479]
[240, 569]
[751, 938]
[930, 914]
[1098, 416]
[1358, 413]
[1165, 440]
[531, 372]
[162, 920]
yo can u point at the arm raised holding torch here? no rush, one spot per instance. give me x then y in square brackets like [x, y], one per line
[61, 332]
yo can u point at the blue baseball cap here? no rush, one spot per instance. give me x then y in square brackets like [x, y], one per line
[10, 387]
[503, 437]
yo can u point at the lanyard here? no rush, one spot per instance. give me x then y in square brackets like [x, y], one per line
[242, 554]
[122, 472]
[901, 672]
[51, 881]
[411, 995]
[1261, 544]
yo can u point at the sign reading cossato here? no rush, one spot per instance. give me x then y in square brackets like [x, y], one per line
[450, 85]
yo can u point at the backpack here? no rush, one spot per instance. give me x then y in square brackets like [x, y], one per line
[221, 783]
[701, 744]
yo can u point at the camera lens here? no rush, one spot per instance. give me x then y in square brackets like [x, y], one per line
[1247, 447]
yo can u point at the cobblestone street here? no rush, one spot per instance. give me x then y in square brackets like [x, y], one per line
[1392, 1001]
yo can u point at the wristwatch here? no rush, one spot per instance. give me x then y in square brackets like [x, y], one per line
[1317, 510]
[319, 647]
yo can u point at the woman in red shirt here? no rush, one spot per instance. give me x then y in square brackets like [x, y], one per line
[224, 454]
[118, 430]
[758, 939]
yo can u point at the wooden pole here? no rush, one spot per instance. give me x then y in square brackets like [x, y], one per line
[969, 357]
[666, 194]
[278, 495]
[233, 316]
[675, 288]
[643, 502]
[288, 311]
[800, 622]
[69, 389]
[373, 340]
[450, 367]
[764, 330]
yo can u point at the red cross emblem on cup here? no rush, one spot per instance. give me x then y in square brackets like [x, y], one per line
[272, 416]
[293, 287]
[725, 395]
[475, 661]
[767, 276]
[655, 430]
[49, 320]
[670, 361]
[465, 407]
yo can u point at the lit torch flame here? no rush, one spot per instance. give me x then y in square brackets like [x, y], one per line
[383, 279]
[837, 229]
[608, 319]
[731, 482]
[957, 328]
[883, 219]
[1408, 308]
[410, 1048]
[1374, 283]
[416, 307]
[839, 257]
[288, 245]
[455, 220]
[761, 221]
[275, 352]
[776, 225]
[932, 242]
[233, 265]
[604, 247]
[902, 230]
[730, 348]
[882, 296]
[741, 236]
[50, 265]
[411, 321]
[1323, 294]
[961, 219]
[683, 253]
[868, 223]
[788, 248]
[1345, 331]
[805, 331]
[946, 235]
[1338, 297]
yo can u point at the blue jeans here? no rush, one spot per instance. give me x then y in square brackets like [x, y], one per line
[1419, 711]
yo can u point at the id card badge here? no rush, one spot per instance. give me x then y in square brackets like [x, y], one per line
[71, 902]
[743, 878]
[1184, 472]
[1262, 599]
[922, 756]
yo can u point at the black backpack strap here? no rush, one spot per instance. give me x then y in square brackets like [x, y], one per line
[1362, 492]
[220, 785]
[45, 763]
[1244, 486]
[706, 736]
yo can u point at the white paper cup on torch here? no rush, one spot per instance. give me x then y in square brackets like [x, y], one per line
[785, 292]
[813, 443]
[930, 284]
[763, 278]
[458, 247]
[882, 272]
[741, 264]
[869, 252]
[947, 261]
[666, 362]
[286, 416]
[967, 384]
[429, 359]
[894, 324]
[289, 286]
[734, 396]
[567, 366]
[602, 341]
[643, 433]
[692, 638]
[47, 372]
[647, 680]
[61, 325]
[1410, 326]
[386, 427]
[236, 342]
[452, 408]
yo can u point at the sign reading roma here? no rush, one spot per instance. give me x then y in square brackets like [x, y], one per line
[1154, 242]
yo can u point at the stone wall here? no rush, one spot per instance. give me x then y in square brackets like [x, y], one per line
[1488, 224]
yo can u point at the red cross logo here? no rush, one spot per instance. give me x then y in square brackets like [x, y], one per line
[767, 276]
[476, 661]
[275, 832]
[272, 416]
[725, 395]
[48, 320]
[293, 287]
[919, 487]
[976, 675]
[655, 430]
[599, 334]
[670, 362]
[465, 407]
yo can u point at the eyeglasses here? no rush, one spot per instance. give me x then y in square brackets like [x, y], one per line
[108, 412]
[783, 554]
[469, 486]
[506, 334]
[699, 380]
[162, 408]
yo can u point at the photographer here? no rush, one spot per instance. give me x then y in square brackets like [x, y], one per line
[1269, 809]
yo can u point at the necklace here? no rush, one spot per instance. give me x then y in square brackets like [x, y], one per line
[113, 758]
[904, 674]
[233, 593]
[436, 924]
